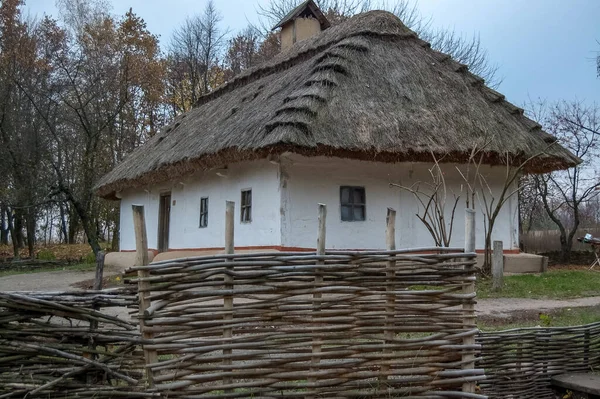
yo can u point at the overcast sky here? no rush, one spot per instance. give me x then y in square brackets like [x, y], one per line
[544, 48]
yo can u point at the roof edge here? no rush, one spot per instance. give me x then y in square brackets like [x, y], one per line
[541, 164]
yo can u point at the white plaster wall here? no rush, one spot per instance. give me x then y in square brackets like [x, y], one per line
[264, 230]
[285, 199]
[309, 181]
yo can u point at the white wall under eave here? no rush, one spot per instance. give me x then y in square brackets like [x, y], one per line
[309, 181]
[264, 230]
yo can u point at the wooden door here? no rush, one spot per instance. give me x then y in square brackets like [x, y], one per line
[164, 217]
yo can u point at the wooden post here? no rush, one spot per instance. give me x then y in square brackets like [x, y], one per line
[141, 259]
[497, 266]
[468, 308]
[390, 274]
[94, 323]
[321, 238]
[586, 349]
[228, 280]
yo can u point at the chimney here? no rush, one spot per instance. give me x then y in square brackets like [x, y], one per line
[302, 22]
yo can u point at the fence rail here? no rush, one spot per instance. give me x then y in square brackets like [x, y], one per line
[352, 324]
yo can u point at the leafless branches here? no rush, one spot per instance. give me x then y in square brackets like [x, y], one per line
[432, 197]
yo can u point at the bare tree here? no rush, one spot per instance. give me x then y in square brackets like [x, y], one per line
[195, 49]
[565, 193]
[242, 52]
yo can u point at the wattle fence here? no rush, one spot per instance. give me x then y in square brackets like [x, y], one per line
[378, 324]
[520, 363]
[62, 345]
[340, 324]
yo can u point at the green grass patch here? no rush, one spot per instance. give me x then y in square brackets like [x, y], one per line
[555, 284]
[80, 267]
[557, 318]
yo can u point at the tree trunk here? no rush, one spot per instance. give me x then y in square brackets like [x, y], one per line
[116, 232]
[3, 225]
[565, 247]
[73, 225]
[11, 228]
[63, 222]
[18, 236]
[30, 228]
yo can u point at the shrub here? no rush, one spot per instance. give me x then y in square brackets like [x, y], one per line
[90, 258]
[46, 254]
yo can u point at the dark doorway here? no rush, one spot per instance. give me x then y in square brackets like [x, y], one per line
[164, 217]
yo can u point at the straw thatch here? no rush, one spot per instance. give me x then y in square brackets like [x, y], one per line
[366, 89]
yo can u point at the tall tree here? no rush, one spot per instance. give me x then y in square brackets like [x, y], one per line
[105, 89]
[194, 54]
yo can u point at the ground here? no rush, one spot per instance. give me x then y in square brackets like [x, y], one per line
[44, 281]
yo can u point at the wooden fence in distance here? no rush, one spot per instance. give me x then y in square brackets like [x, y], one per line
[50, 348]
[544, 241]
[520, 363]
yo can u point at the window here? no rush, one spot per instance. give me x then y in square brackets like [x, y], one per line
[204, 212]
[352, 201]
[246, 209]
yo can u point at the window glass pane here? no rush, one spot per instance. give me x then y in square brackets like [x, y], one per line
[346, 213]
[359, 213]
[359, 195]
[345, 195]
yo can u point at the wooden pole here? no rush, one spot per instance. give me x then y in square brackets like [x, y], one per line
[468, 308]
[321, 239]
[497, 266]
[390, 274]
[94, 323]
[228, 280]
[141, 259]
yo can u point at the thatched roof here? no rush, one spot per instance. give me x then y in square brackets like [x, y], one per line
[306, 6]
[366, 89]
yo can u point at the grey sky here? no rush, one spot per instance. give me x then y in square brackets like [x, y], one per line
[544, 48]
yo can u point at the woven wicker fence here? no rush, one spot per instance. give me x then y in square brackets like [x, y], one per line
[342, 324]
[61, 345]
[520, 363]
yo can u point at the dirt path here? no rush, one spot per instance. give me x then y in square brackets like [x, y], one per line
[503, 307]
[45, 281]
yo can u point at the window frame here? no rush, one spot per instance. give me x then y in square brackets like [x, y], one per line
[203, 212]
[246, 206]
[353, 205]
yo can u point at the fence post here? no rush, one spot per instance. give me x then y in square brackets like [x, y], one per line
[228, 280]
[390, 274]
[497, 266]
[94, 323]
[141, 259]
[468, 357]
[321, 236]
